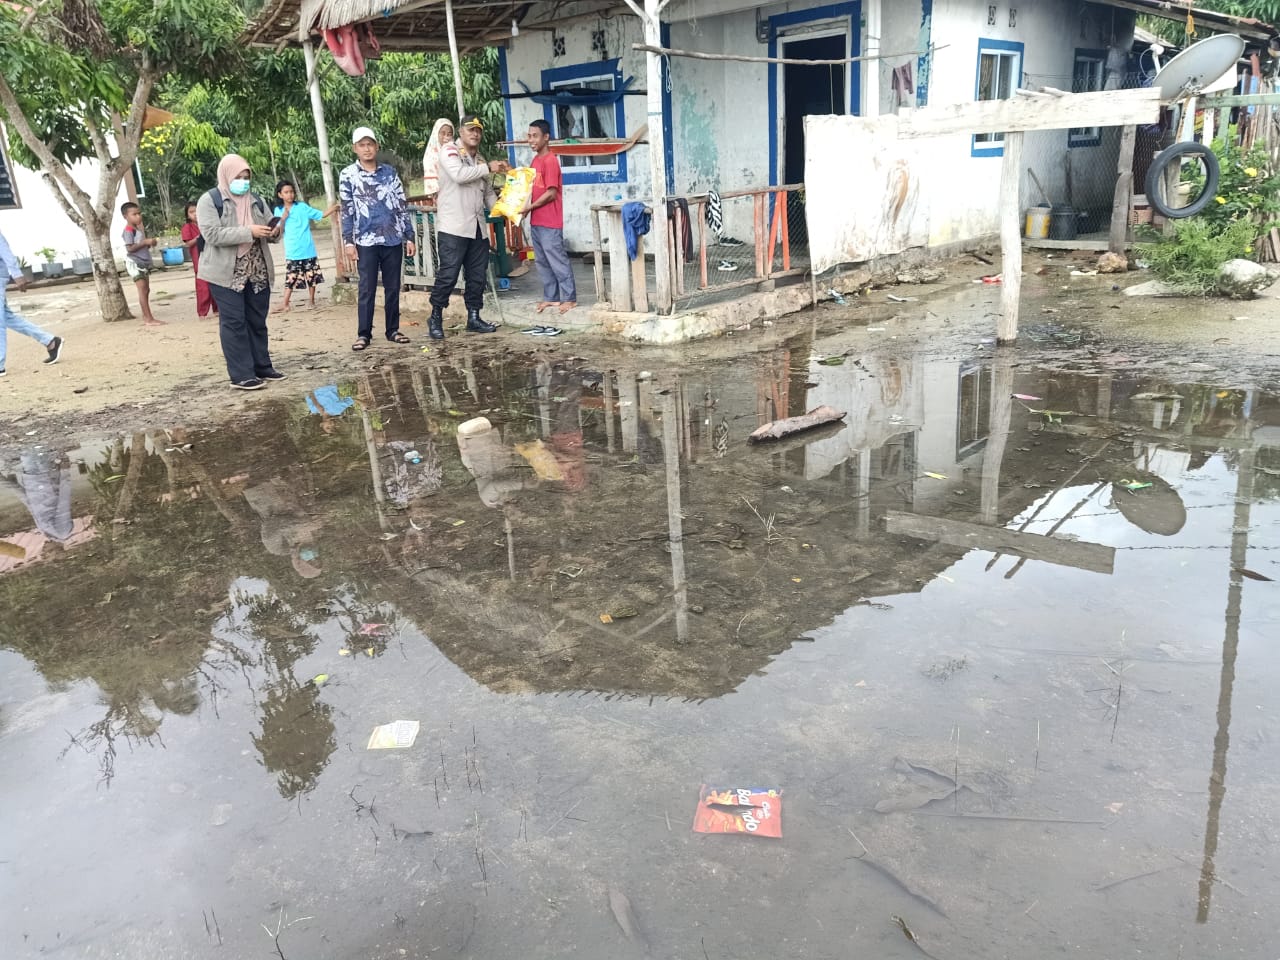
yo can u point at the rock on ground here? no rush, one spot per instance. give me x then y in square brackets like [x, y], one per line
[1154, 288]
[1243, 279]
[1112, 263]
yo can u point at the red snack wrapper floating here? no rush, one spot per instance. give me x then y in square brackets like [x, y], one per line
[750, 810]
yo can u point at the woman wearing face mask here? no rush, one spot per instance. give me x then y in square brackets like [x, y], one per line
[237, 265]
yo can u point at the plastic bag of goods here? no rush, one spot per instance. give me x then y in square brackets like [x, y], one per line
[515, 194]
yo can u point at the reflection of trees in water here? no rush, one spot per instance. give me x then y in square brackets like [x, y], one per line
[297, 735]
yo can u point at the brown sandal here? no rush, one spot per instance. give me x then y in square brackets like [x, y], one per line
[398, 337]
[362, 343]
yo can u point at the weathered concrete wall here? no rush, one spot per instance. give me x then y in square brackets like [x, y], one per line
[964, 203]
[531, 53]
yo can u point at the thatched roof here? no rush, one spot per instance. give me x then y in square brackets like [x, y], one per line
[417, 25]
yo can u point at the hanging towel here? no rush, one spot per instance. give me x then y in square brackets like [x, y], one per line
[902, 85]
[344, 43]
[715, 212]
[635, 224]
[686, 229]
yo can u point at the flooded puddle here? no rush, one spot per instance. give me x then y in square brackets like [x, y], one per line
[1002, 640]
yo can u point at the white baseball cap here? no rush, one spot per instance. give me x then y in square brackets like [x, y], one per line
[363, 133]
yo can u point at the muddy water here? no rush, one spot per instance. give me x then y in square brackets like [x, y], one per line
[1008, 661]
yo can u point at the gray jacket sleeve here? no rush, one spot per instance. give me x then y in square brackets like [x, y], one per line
[211, 227]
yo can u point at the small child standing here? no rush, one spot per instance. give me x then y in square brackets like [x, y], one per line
[301, 266]
[191, 240]
[138, 259]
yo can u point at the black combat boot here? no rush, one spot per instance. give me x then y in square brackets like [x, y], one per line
[476, 325]
[435, 324]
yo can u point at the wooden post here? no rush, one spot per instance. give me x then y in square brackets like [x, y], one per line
[601, 294]
[619, 265]
[639, 281]
[1124, 192]
[453, 56]
[326, 161]
[1010, 238]
[654, 83]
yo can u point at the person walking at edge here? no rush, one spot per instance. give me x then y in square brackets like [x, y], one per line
[462, 207]
[377, 232]
[238, 267]
[11, 272]
[546, 223]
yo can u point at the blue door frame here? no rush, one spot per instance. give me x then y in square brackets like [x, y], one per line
[849, 12]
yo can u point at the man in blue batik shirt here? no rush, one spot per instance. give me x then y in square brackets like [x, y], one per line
[377, 232]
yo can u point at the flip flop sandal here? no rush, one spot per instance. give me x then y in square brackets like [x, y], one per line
[549, 332]
[535, 331]
[727, 266]
[362, 343]
[398, 337]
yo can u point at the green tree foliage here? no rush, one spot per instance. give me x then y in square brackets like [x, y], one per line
[69, 69]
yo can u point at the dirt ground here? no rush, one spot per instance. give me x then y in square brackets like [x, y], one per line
[114, 374]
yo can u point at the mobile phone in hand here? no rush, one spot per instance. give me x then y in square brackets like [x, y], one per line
[273, 222]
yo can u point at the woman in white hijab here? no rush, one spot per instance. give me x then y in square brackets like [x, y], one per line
[441, 134]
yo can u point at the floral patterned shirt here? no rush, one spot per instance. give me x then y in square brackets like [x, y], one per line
[373, 207]
[251, 271]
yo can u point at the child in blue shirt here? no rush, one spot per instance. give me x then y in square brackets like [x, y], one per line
[301, 267]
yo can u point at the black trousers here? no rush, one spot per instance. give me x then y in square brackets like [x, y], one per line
[390, 262]
[457, 254]
[242, 327]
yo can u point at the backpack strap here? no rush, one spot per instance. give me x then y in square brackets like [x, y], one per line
[216, 196]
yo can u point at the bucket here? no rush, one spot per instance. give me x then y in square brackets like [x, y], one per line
[1063, 223]
[172, 256]
[1037, 225]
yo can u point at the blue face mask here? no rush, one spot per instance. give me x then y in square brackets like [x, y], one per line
[239, 187]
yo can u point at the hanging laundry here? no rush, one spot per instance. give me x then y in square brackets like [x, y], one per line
[715, 212]
[345, 44]
[686, 229]
[902, 85]
[635, 224]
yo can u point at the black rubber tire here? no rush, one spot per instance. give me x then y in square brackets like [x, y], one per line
[1176, 154]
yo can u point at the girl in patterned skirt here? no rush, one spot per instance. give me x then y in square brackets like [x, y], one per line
[301, 267]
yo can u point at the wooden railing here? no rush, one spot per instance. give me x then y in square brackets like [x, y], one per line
[624, 287]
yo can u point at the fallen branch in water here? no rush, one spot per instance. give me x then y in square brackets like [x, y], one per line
[777, 429]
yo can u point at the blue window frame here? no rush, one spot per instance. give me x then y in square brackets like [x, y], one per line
[581, 122]
[999, 75]
[1087, 76]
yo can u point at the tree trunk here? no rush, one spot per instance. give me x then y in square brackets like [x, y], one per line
[106, 278]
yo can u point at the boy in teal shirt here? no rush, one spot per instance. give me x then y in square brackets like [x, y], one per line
[301, 266]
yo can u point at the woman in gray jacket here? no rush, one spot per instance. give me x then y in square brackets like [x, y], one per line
[237, 265]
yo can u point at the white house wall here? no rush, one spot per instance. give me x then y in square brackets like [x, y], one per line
[963, 205]
[720, 110]
[40, 222]
[531, 53]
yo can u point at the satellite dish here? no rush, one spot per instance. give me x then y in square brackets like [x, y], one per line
[1199, 67]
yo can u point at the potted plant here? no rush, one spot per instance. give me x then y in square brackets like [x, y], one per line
[52, 268]
[26, 269]
[82, 264]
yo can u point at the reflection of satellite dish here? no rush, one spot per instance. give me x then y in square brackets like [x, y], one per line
[1200, 67]
[1156, 509]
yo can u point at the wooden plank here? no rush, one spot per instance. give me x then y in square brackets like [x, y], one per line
[1010, 238]
[619, 265]
[1097, 246]
[1081, 554]
[1241, 100]
[598, 240]
[1123, 198]
[1109, 108]
[639, 284]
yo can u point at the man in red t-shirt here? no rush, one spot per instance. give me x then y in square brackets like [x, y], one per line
[546, 223]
